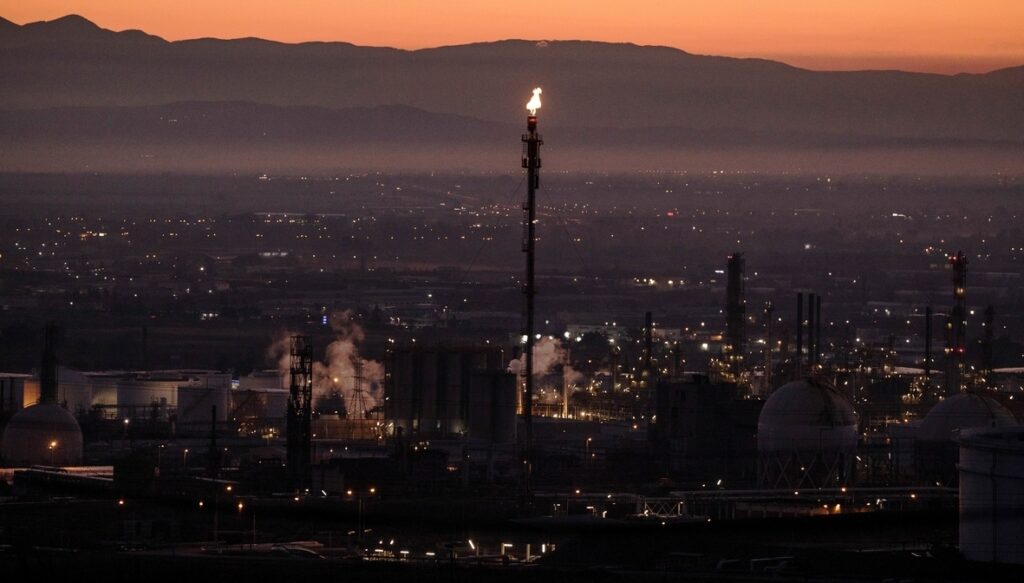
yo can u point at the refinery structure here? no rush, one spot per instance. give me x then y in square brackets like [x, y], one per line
[766, 412]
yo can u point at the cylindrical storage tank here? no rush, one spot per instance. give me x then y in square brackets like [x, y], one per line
[936, 449]
[992, 495]
[492, 406]
[74, 390]
[104, 389]
[806, 436]
[195, 406]
[264, 379]
[136, 394]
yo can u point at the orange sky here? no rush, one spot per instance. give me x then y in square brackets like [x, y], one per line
[922, 35]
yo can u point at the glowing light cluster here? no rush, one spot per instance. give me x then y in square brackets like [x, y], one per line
[534, 103]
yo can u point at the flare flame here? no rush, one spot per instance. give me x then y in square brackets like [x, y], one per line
[534, 103]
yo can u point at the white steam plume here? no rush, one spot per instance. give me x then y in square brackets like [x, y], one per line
[547, 353]
[341, 368]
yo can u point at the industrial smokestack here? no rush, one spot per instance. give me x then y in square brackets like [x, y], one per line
[213, 461]
[812, 341]
[817, 330]
[648, 341]
[986, 346]
[531, 161]
[958, 319]
[145, 347]
[799, 331]
[769, 309]
[48, 368]
[927, 347]
[735, 312]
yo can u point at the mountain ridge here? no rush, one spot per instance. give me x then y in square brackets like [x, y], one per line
[80, 23]
[625, 97]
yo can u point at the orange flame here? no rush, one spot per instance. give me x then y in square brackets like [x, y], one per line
[534, 103]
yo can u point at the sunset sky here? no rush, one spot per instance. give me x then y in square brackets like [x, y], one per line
[945, 36]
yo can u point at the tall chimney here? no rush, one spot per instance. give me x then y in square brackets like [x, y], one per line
[648, 341]
[812, 341]
[769, 309]
[799, 331]
[986, 345]
[927, 349]
[48, 370]
[531, 162]
[958, 318]
[735, 312]
[817, 331]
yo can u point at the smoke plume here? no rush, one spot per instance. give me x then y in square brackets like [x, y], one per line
[547, 353]
[359, 381]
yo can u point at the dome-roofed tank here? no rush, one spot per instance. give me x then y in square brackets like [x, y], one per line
[963, 411]
[936, 452]
[806, 437]
[807, 415]
[43, 434]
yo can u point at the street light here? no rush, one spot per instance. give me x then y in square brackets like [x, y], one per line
[360, 497]
[241, 507]
[52, 446]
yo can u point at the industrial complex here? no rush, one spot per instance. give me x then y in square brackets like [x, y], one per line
[495, 440]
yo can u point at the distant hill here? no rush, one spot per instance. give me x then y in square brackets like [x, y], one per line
[87, 83]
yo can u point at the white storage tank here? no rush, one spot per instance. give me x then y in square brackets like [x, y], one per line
[74, 390]
[936, 450]
[806, 436]
[43, 434]
[135, 395]
[992, 495]
[948, 417]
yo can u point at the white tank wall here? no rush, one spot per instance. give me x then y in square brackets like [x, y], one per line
[805, 416]
[992, 496]
[263, 380]
[162, 387]
[195, 403]
[779, 438]
[74, 390]
[104, 390]
[143, 393]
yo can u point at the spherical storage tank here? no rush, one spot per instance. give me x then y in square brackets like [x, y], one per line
[806, 436]
[43, 434]
[962, 411]
[992, 495]
[936, 450]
